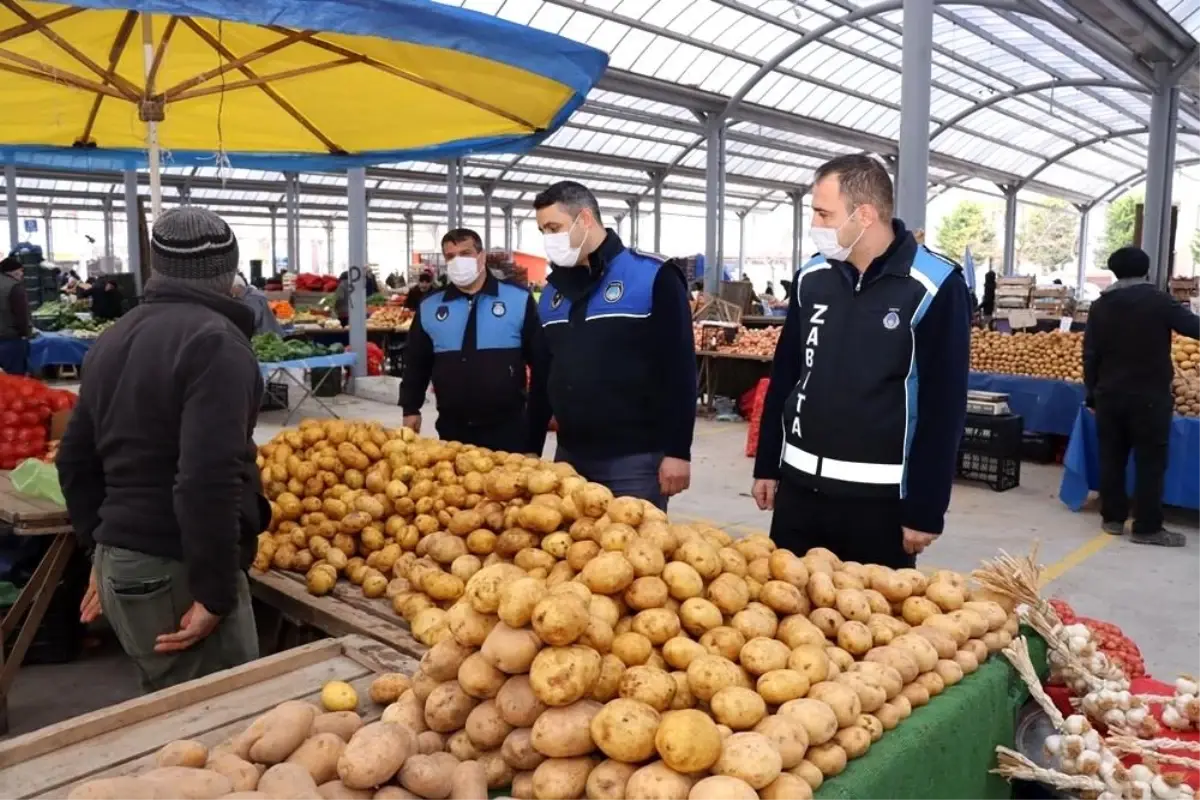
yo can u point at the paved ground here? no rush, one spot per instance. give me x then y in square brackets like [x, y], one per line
[1152, 593]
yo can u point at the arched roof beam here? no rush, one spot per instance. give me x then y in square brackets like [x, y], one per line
[1122, 186]
[1070, 83]
[1075, 148]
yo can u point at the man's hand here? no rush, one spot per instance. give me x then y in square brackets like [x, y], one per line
[89, 608]
[413, 422]
[764, 493]
[916, 541]
[197, 623]
[674, 475]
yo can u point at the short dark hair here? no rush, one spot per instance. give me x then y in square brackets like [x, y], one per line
[1129, 262]
[572, 196]
[862, 180]
[460, 235]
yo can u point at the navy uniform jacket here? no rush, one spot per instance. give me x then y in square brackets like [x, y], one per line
[869, 385]
[475, 348]
[622, 360]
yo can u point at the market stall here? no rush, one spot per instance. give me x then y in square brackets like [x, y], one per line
[1081, 465]
[1048, 406]
[317, 377]
[125, 739]
[53, 349]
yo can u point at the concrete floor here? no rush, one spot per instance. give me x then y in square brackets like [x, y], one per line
[1153, 594]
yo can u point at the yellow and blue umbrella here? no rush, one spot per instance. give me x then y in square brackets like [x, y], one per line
[296, 85]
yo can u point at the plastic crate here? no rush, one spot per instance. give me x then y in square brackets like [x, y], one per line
[1001, 474]
[275, 397]
[999, 436]
[325, 381]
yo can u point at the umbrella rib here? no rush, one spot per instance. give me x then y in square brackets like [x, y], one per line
[159, 54]
[316, 41]
[267, 90]
[114, 57]
[275, 76]
[30, 27]
[36, 69]
[234, 63]
[123, 86]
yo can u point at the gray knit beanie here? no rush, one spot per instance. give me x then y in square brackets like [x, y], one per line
[194, 246]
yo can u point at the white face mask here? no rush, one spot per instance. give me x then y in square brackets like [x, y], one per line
[462, 270]
[827, 244]
[559, 249]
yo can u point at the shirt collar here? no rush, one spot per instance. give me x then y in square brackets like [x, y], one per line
[896, 260]
[491, 286]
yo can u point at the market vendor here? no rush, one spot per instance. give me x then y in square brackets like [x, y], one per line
[16, 324]
[867, 400]
[417, 293]
[108, 302]
[474, 340]
[158, 467]
[622, 375]
[255, 300]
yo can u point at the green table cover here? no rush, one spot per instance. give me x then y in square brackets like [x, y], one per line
[946, 748]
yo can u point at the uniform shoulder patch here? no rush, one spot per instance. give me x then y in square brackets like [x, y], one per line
[942, 257]
[443, 311]
[614, 291]
[652, 256]
[556, 300]
[498, 308]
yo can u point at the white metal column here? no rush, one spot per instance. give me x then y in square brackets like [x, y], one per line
[1010, 231]
[356, 206]
[633, 223]
[741, 244]
[409, 235]
[274, 259]
[658, 182]
[108, 228]
[916, 63]
[508, 228]
[47, 217]
[797, 228]
[10, 197]
[133, 237]
[453, 195]
[1160, 168]
[1081, 269]
[293, 222]
[487, 220]
[714, 205]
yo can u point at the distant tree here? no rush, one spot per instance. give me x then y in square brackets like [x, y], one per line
[1048, 236]
[1196, 249]
[1118, 226]
[967, 225]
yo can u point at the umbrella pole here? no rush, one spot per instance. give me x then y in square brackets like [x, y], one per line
[151, 123]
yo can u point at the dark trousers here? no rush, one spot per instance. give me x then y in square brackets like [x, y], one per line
[14, 356]
[1141, 423]
[633, 475]
[509, 436]
[862, 529]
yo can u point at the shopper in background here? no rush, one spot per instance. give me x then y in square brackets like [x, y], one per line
[987, 306]
[108, 302]
[255, 300]
[1127, 370]
[474, 340]
[16, 324]
[622, 376]
[158, 467]
[868, 392]
[341, 300]
[417, 293]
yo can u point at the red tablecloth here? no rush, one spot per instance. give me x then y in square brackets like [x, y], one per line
[1147, 685]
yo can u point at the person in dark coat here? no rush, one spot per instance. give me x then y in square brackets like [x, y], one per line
[107, 298]
[157, 465]
[16, 323]
[987, 306]
[1127, 369]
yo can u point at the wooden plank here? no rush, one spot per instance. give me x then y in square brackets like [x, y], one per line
[67, 765]
[368, 710]
[23, 510]
[344, 612]
[113, 718]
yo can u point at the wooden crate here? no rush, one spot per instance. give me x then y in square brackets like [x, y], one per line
[30, 516]
[123, 739]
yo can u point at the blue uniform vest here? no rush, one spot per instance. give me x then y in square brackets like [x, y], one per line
[849, 421]
[498, 320]
[603, 377]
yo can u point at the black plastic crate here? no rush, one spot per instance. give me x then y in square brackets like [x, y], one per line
[275, 397]
[984, 434]
[1001, 474]
[325, 381]
[1040, 448]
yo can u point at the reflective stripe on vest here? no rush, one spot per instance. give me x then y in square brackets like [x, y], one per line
[838, 470]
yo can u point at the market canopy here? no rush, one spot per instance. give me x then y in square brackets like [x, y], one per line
[297, 85]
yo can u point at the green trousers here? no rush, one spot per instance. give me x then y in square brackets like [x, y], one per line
[143, 596]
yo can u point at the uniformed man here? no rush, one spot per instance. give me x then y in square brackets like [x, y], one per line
[16, 324]
[622, 369]
[867, 400]
[474, 339]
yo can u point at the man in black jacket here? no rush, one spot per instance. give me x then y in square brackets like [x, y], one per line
[1127, 370]
[868, 393]
[157, 464]
[474, 340]
[622, 377]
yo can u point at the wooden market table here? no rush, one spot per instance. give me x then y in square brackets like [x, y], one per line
[30, 516]
[730, 374]
[123, 739]
[341, 612]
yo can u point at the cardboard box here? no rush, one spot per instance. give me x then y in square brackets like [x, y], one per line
[58, 423]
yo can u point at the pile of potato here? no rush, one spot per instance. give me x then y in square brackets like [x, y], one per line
[1185, 353]
[749, 341]
[1053, 354]
[581, 644]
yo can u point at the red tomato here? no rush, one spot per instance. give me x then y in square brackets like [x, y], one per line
[29, 418]
[59, 402]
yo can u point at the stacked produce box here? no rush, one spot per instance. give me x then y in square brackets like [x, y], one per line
[582, 644]
[1013, 292]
